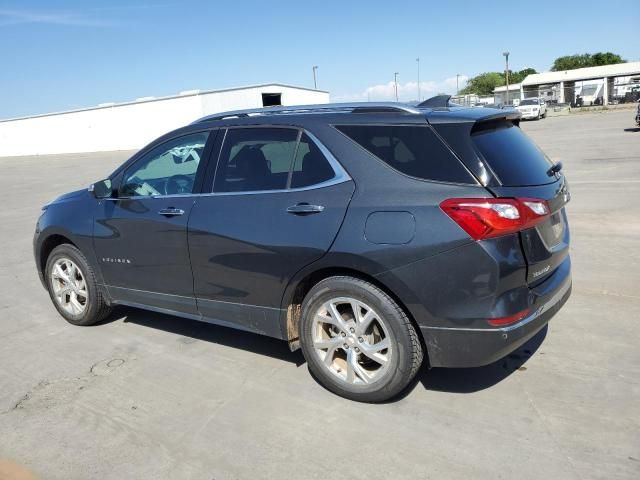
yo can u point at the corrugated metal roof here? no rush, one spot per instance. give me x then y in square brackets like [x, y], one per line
[615, 70]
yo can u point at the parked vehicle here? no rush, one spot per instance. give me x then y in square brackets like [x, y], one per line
[638, 115]
[370, 235]
[532, 108]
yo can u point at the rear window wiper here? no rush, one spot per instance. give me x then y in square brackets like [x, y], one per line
[554, 169]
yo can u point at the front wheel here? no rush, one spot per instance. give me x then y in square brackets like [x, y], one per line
[357, 341]
[72, 287]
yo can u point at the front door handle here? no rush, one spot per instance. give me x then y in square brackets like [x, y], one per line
[304, 209]
[171, 212]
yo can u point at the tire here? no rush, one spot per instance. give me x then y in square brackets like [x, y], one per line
[349, 358]
[72, 287]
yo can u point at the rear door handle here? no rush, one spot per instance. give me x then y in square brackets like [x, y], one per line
[171, 212]
[304, 209]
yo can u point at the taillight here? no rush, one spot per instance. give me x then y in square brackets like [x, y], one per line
[492, 217]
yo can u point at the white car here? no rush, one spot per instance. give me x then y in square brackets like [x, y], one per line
[532, 108]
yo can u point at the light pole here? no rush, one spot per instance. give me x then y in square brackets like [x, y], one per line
[457, 85]
[419, 96]
[395, 81]
[315, 82]
[506, 72]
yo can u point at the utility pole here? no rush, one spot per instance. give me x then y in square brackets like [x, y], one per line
[395, 81]
[506, 72]
[457, 84]
[315, 82]
[419, 96]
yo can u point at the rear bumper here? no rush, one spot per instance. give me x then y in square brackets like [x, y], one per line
[467, 347]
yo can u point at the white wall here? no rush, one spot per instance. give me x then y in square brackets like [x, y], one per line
[131, 126]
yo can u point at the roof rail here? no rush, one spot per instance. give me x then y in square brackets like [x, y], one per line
[356, 107]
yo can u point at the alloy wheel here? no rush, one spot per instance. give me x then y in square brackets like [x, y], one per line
[69, 286]
[351, 340]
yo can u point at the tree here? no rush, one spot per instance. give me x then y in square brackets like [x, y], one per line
[570, 62]
[517, 77]
[485, 83]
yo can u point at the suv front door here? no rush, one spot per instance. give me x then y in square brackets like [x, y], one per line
[140, 236]
[278, 201]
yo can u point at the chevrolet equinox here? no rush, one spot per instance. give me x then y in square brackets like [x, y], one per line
[369, 235]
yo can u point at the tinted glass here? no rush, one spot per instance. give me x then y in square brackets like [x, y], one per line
[310, 166]
[530, 101]
[168, 169]
[412, 150]
[255, 159]
[515, 159]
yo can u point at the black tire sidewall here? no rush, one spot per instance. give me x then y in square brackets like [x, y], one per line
[88, 316]
[399, 372]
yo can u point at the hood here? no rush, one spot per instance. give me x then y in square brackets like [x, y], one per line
[69, 196]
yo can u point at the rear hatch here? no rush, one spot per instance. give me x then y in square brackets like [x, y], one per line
[523, 171]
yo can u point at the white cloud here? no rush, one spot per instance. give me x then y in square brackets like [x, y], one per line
[406, 91]
[16, 17]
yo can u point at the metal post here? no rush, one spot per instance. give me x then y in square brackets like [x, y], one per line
[457, 85]
[395, 80]
[506, 72]
[419, 96]
[315, 82]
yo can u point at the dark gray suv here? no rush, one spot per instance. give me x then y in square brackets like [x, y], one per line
[370, 235]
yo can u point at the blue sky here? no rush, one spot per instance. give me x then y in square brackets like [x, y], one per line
[59, 55]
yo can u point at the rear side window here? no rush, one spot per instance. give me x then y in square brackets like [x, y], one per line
[515, 159]
[255, 159]
[413, 150]
[310, 166]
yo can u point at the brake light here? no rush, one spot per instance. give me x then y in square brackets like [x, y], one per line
[493, 217]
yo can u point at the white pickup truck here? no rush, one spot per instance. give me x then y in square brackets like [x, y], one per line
[532, 108]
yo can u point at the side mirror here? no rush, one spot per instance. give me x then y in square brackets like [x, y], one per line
[101, 189]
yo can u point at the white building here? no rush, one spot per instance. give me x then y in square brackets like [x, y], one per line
[131, 125]
[595, 85]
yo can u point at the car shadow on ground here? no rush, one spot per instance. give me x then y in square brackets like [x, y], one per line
[453, 380]
[193, 330]
[634, 129]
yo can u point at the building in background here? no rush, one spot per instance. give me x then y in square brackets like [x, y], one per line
[131, 125]
[617, 83]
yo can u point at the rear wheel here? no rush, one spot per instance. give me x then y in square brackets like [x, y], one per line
[73, 288]
[357, 341]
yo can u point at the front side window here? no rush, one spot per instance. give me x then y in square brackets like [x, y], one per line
[263, 159]
[168, 169]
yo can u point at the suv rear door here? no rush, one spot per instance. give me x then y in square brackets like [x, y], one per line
[276, 204]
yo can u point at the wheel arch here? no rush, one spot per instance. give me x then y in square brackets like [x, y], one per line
[48, 244]
[298, 291]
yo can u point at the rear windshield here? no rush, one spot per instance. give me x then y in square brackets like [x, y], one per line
[531, 101]
[413, 150]
[515, 159]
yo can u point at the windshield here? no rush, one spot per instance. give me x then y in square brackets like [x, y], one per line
[529, 101]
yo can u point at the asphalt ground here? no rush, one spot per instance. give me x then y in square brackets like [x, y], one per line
[150, 396]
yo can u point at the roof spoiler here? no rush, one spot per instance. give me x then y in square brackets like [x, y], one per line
[439, 101]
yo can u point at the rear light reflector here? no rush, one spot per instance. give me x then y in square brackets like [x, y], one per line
[502, 321]
[493, 217]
